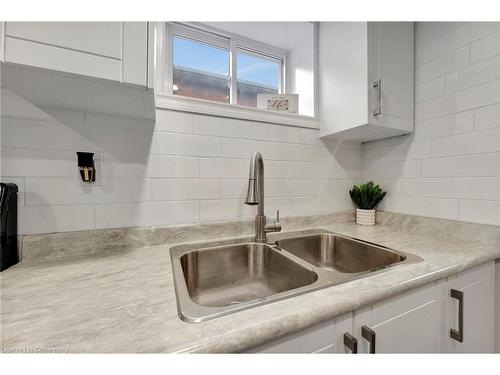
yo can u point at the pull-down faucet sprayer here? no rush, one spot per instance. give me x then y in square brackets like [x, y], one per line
[255, 196]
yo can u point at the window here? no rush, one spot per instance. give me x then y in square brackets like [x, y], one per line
[256, 75]
[211, 65]
[200, 70]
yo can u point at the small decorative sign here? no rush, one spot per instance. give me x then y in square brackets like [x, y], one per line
[278, 102]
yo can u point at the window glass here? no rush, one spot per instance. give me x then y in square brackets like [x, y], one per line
[200, 70]
[256, 75]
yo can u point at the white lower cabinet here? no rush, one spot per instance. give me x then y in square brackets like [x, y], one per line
[470, 313]
[404, 324]
[326, 337]
[452, 315]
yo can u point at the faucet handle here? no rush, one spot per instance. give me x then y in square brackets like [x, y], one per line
[275, 225]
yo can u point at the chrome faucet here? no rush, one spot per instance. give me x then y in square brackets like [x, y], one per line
[255, 196]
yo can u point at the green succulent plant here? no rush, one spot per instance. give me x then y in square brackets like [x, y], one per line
[367, 196]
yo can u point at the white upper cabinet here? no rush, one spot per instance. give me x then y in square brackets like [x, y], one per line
[116, 51]
[366, 79]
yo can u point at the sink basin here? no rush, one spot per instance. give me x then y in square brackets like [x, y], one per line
[224, 277]
[342, 254]
[232, 274]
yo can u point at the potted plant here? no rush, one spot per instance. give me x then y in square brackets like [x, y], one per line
[366, 197]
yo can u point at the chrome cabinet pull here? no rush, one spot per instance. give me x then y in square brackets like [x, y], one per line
[369, 335]
[454, 334]
[377, 85]
[351, 343]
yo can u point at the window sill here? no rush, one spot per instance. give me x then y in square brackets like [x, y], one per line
[233, 111]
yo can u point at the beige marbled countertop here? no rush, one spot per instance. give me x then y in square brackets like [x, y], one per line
[124, 302]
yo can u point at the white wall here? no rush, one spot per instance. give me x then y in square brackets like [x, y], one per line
[186, 168]
[300, 72]
[450, 167]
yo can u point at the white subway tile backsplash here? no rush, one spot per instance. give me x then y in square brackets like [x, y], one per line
[49, 219]
[435, 207]
[393, 186]
[173, 121]
[423, 33]
[310, 153]
[461, 36]
[464, 188]
[480, 211]
[103, 120]
[57, 191]
[225, 209]
[279, 133]
[235, 188]
[58, 136]
[469, 143]
[298, 169]
[223, 127]
[172, 166]
[487, 117]
[429, 89]
[65, 116]
[470, 98]
[17, 162]
[466, 165]
[225, 168]
[310, 136]
[442, 28]
[404, 151]
[191, 189]
[485, 47]
[165, 143]
[14, 106]
[462, 122]
[445, 64]
[244, 148]
[396, 169]
[146, 214]
[481, 72]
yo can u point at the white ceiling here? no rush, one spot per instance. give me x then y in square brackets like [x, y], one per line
[284, 35]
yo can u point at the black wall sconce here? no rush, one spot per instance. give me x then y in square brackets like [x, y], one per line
[86, 166]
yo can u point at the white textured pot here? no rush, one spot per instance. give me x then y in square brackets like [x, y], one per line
[365, 217]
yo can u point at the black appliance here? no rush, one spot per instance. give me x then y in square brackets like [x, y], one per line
[9, 254]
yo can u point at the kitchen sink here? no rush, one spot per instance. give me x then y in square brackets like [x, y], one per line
[232, 274]
[339, 253]
[224, 277]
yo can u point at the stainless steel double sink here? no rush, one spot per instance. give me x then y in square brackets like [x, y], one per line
[234, 275]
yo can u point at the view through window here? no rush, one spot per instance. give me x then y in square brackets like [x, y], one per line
[256, 75]
[200, 70]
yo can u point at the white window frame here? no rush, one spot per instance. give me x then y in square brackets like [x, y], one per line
[165, 98]
[230, 42]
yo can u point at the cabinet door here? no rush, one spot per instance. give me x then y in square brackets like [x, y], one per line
[324, 337]
[478, 327]
[391, 72]
[109, 50]
[404, 324]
